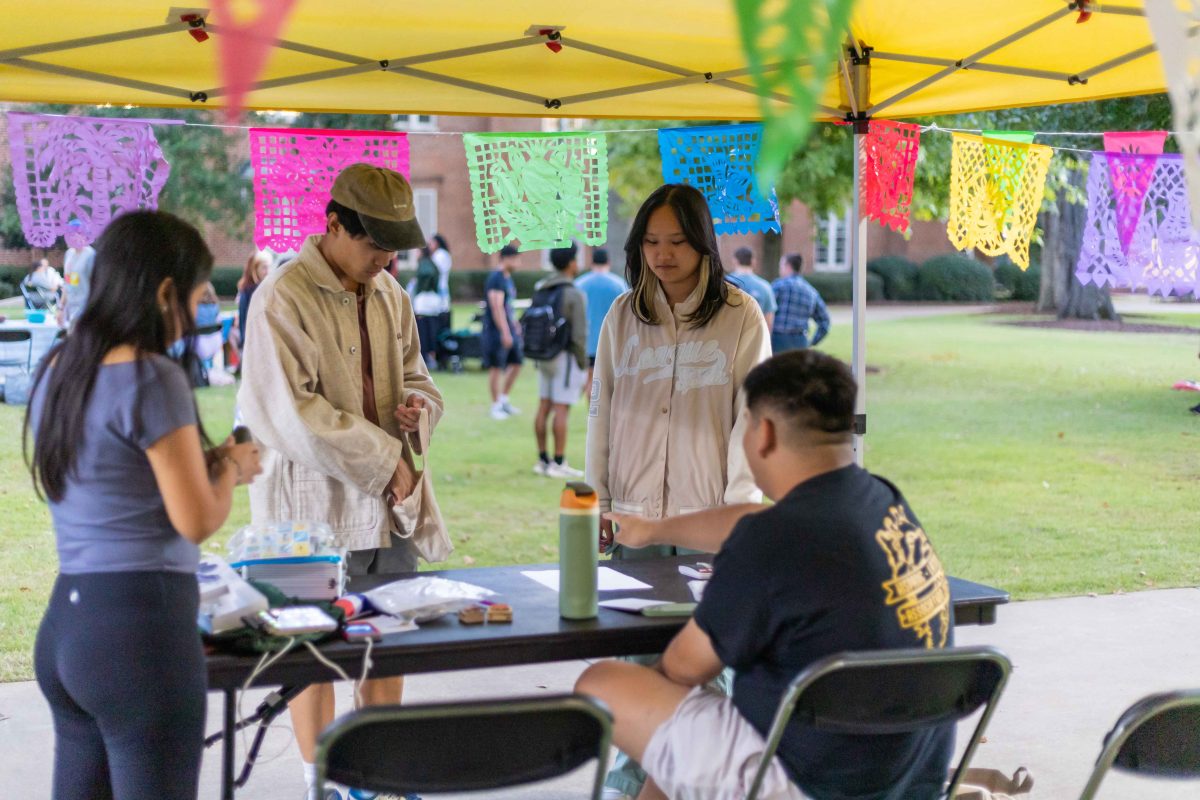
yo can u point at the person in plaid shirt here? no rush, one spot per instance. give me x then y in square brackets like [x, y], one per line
[798, 303]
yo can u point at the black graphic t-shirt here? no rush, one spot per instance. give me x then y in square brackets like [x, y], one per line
[840, 563]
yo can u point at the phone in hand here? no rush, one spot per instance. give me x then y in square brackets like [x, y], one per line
[361, 632]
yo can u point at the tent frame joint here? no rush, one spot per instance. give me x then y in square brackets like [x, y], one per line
[198, 97]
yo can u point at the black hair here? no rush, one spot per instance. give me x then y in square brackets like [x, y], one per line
[134, 255]
[561, 257]
[599, 256]
[695, 218]
[744, 256]
[348, 218]
[508, 251]
[441, 242]
[795, 261]
[814, 391]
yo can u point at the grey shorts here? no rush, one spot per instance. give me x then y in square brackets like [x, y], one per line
[708, 751]
[400, 557]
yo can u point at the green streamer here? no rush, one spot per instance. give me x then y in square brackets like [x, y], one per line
[540, 189]
[802, 38]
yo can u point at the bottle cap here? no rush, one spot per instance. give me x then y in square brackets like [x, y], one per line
[580, 496]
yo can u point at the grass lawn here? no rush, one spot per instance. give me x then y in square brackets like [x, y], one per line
[1046, 462]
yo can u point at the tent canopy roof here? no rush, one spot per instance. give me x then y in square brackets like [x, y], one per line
[619, 58]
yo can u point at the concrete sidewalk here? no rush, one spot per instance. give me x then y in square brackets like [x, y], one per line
[1079, 662]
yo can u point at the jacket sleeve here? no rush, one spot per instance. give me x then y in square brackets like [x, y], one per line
[754, 347]
[821, 316]
[599, 407]
[281, 405]
[577, 314]
[417, 380]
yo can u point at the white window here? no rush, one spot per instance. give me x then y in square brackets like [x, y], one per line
[833, 242]
[414, 122]
[427, 216]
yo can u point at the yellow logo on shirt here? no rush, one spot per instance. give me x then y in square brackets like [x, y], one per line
[918, 586]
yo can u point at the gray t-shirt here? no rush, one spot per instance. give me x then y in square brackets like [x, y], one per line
[112, 517]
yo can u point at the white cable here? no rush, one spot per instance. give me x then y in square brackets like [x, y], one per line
[341, 673]
[268, 658]
[367, 664]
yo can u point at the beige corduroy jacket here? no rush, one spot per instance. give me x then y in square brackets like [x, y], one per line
[664, 422]
[301, 397]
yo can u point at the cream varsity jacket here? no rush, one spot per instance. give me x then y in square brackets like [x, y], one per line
[301, 397]
[665, 420]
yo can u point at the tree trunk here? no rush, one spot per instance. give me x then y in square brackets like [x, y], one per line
[1061, 291]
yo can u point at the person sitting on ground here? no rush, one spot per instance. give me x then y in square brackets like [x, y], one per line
[745, 278]
[800, 305]
[839, 563]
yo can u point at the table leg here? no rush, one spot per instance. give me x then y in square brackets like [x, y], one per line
[228, 744]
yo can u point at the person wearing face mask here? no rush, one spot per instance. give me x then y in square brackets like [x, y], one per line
[333, 384]
[134, 488]
[666, 408]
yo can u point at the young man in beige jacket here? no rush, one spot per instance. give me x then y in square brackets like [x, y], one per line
[333, 384]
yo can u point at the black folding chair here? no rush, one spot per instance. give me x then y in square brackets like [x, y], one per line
[1157, 736]
[10, 341]
[462, 747]
[882, 692]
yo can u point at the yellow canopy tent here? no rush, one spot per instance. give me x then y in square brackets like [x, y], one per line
[617, 58]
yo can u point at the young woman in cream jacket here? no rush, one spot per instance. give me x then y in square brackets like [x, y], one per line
[665, 415]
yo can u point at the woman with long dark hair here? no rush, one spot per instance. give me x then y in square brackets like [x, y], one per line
[666, 414]
[119, 453]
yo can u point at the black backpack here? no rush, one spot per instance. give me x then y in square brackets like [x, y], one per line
[545, 331]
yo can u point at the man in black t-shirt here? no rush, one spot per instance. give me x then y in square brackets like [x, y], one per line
[839, 563]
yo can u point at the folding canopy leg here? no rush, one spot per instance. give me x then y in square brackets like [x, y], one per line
[858, 261]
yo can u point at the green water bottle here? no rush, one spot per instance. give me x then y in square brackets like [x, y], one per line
[578, 545]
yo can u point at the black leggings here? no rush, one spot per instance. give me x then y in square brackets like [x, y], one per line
[119, 658]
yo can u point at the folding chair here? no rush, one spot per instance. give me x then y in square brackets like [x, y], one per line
[11, 338]
[881, 692]
[1158, 736]
[462, 747]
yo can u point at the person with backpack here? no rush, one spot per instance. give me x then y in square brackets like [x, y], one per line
[555, 328]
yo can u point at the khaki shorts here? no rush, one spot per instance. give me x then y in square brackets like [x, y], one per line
[708, 751]
[560, 380]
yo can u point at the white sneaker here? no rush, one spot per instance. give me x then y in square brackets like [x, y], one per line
[498, 412]
[541, 468]
[556, 470]
[509, 408]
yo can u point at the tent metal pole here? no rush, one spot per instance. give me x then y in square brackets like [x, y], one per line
[89, 41]
[858, 261]
[99, 77]
[971, 59]
[978, 66]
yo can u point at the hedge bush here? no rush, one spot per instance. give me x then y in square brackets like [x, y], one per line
[838, 287]
[8, 289]
[899, 276]
[1019, 284]
[955, 278]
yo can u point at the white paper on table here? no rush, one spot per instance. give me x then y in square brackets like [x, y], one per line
[388, 624]
[608, 579]
[633, 605]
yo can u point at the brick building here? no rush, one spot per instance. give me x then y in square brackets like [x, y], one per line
[443, 198]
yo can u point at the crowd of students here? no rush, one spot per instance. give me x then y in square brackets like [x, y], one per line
[690, 421]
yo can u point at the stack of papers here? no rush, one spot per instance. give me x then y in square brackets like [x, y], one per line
[303, 577]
